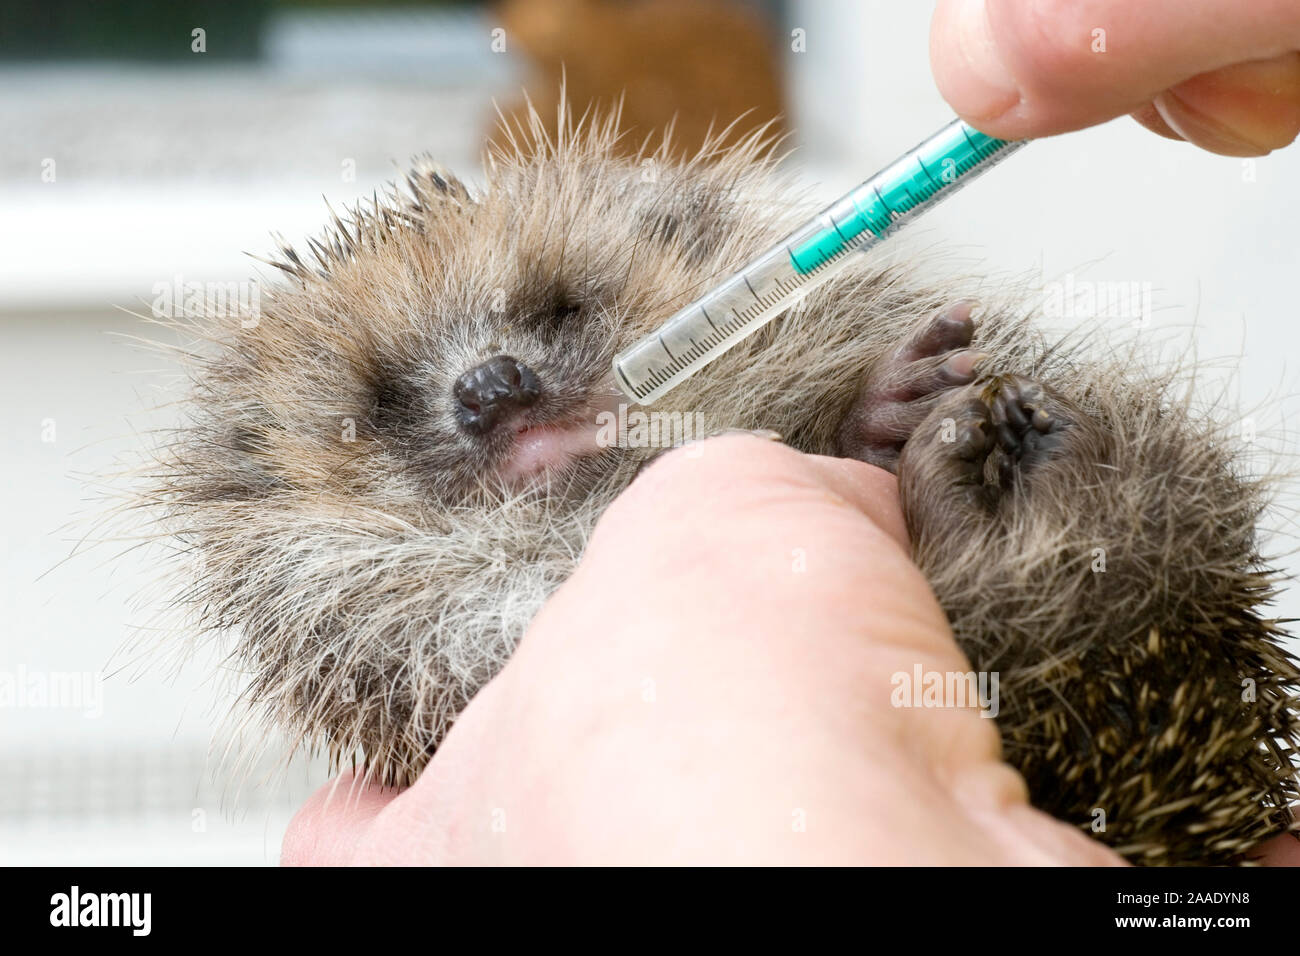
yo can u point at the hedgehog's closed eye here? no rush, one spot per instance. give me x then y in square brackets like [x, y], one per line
[392, 405]
[562, 312]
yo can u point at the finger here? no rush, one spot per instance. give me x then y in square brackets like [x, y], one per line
[736, 496]
[1038, 67]
[1244, 110]
[721, 478]
[1281, 850]
[784, 580]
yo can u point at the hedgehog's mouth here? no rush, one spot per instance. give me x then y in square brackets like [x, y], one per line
[543, 448]
[540, 448]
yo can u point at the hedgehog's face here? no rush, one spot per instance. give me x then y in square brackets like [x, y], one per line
[482, 388]
[452, 347]
[390, 466]
[493, 386]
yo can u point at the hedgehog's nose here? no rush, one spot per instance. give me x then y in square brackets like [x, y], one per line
[487, 394]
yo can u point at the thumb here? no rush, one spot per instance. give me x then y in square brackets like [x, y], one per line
[1219, 73]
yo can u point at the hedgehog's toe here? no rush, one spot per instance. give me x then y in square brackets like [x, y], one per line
[1028, 422]
[903, 388]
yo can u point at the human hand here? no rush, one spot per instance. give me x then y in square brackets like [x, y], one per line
[713, 685]
[1222, 74]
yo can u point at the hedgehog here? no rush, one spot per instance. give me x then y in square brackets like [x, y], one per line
[383, 472]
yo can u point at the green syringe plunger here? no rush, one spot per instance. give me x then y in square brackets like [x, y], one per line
[769, 284]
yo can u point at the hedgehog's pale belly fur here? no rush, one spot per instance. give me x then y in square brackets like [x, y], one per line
[377, 565]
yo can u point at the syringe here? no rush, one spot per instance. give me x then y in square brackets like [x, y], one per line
[774, 281]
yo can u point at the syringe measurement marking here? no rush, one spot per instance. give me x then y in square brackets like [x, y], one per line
[742, 318]
[664, 346]
[910, 185]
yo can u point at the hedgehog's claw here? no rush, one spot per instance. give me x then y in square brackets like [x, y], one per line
[1027, 421]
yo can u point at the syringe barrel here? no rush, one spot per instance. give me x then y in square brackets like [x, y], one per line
[782, 275]
[903, 189]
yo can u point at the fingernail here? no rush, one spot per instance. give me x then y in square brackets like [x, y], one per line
[972, 75]
[765, 433]
[1247, 109]
[1150, 117]
[696, 448]
[1207, 132]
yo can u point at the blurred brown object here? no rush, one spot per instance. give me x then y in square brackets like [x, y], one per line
[697, 64]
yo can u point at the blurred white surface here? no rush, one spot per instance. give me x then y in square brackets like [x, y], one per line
[109, 754]
[159, 171]
[105, 756]
[177, 172]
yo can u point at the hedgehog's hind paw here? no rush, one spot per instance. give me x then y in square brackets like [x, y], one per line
[902, 389]
[1029, 424]
[1018, 420]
